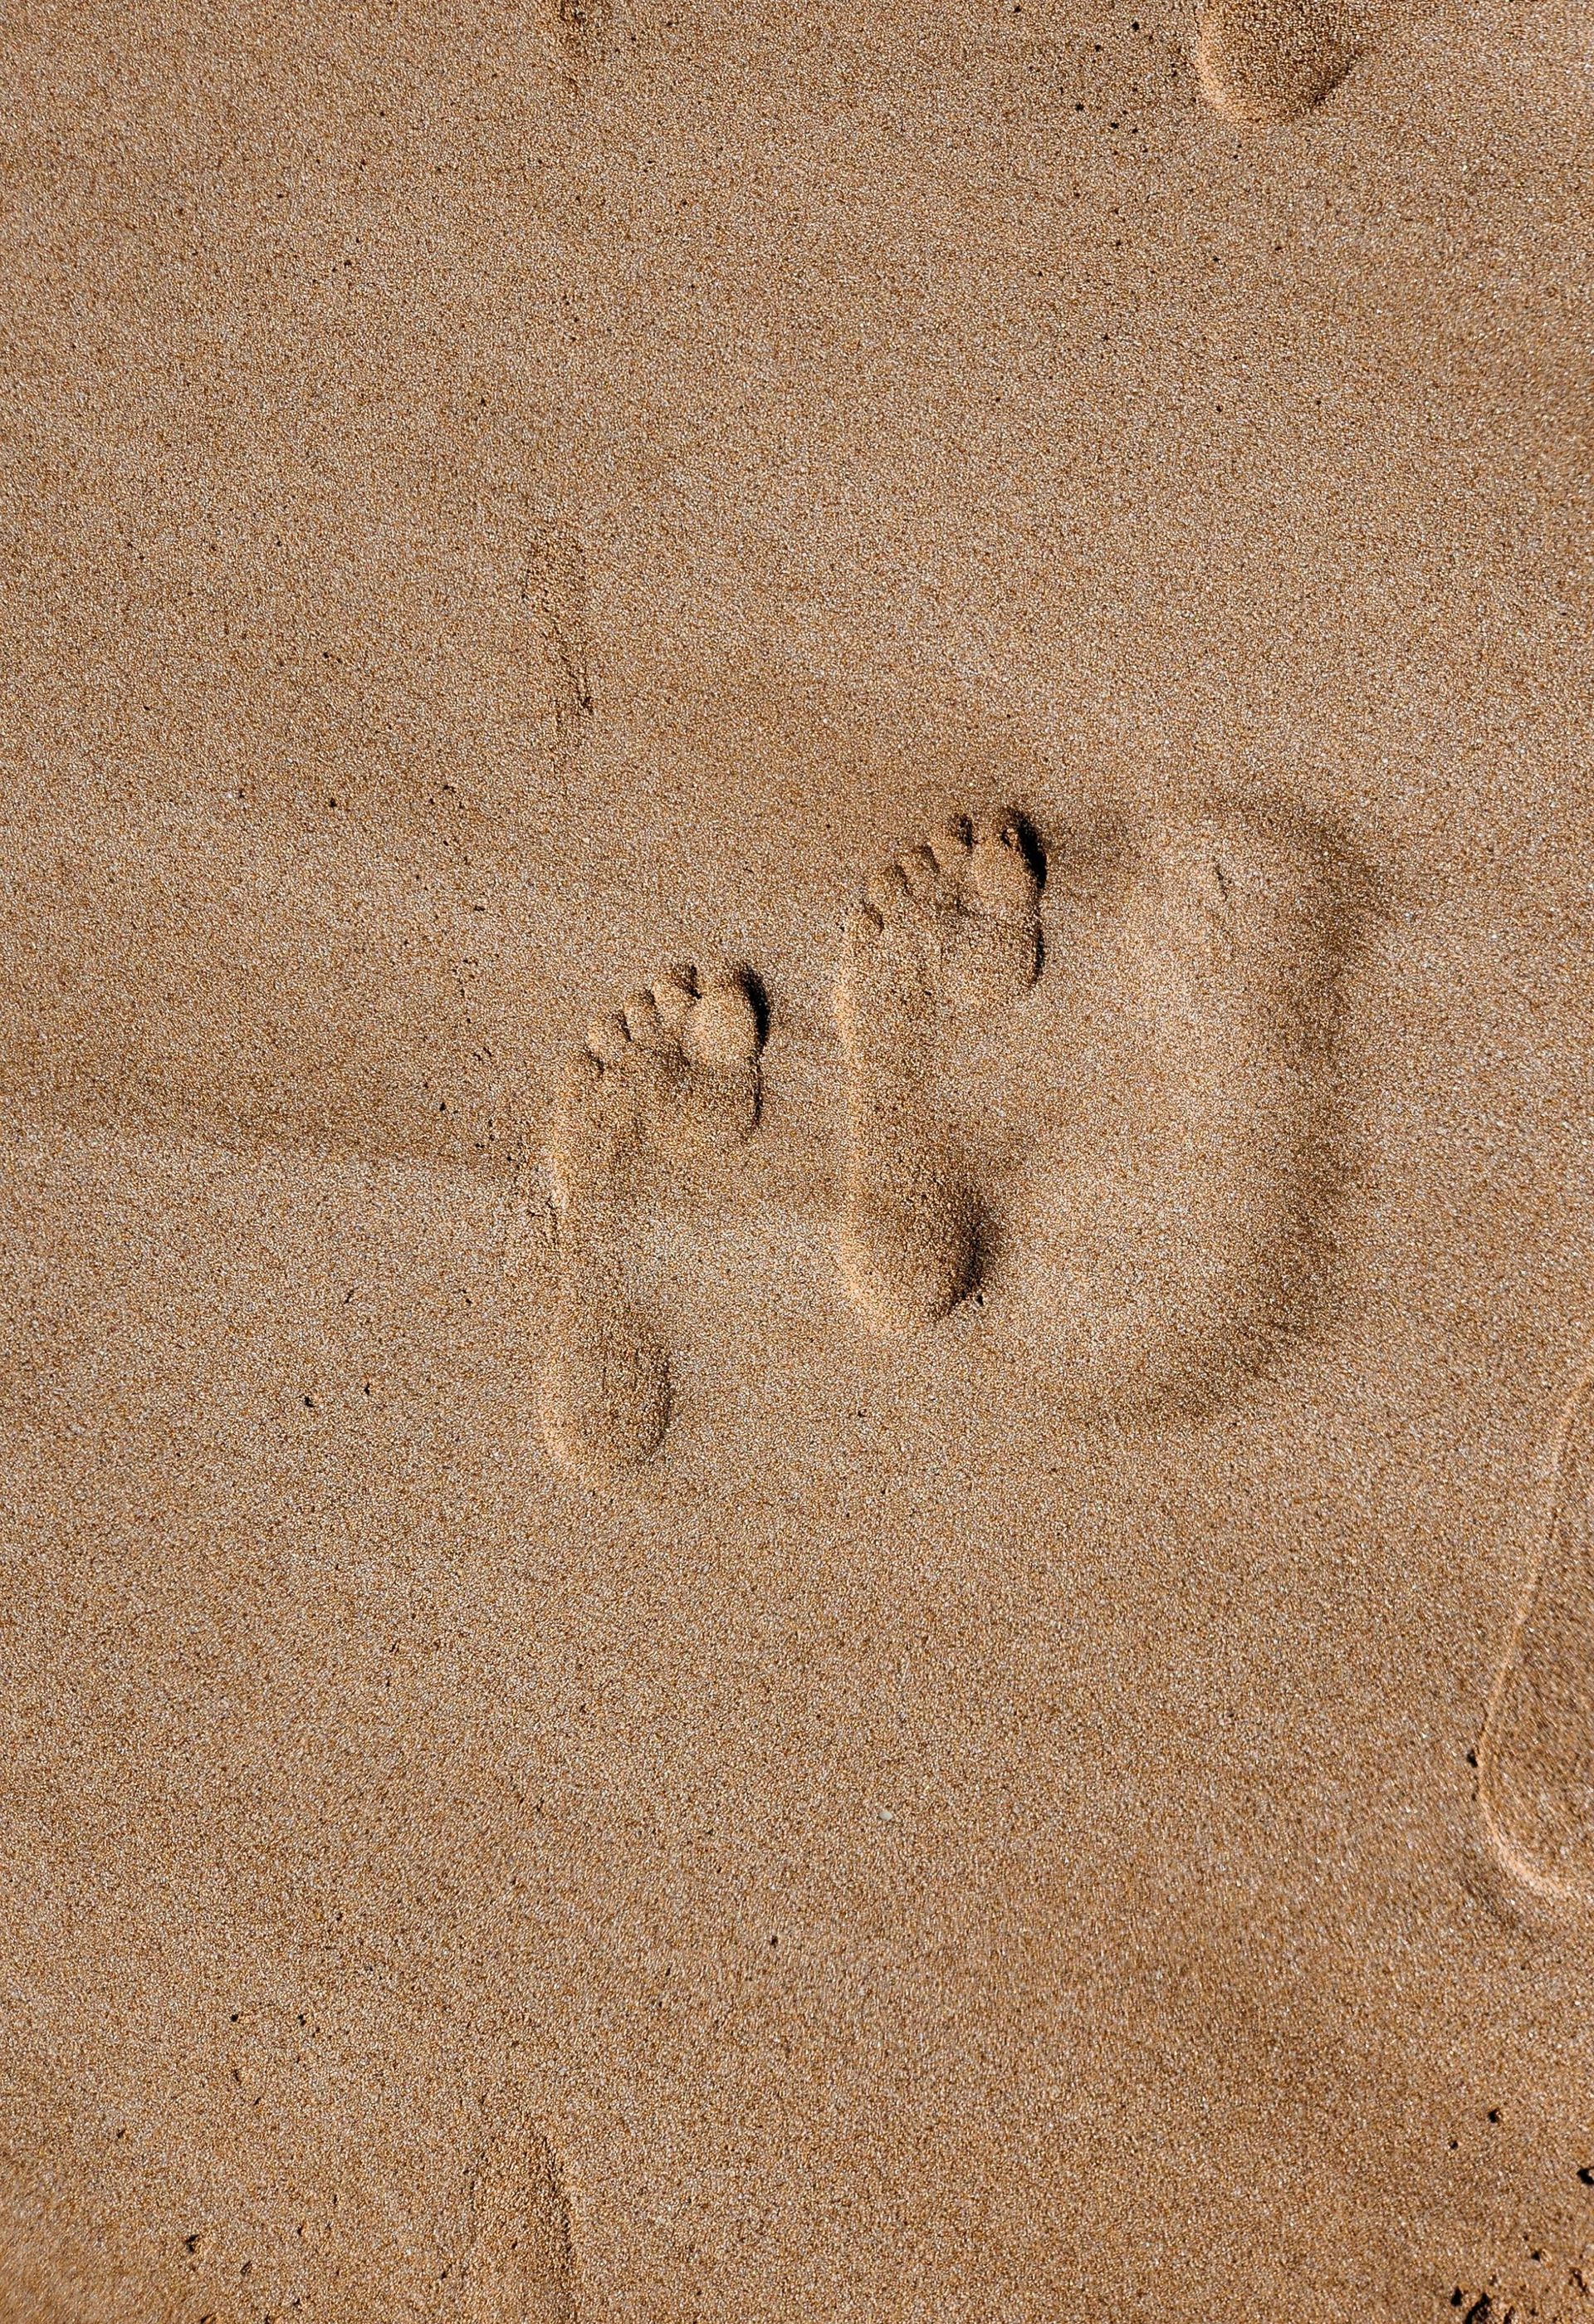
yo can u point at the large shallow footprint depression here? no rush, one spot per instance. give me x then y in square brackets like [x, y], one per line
[1535, 1760]
[1173, 1219]
[659, 1090]
[947, 944]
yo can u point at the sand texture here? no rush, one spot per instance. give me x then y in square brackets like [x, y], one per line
[797, 1221]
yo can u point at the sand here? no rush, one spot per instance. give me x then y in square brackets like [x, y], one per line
[797, 1012]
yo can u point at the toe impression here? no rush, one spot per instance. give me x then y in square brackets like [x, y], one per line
[1005, 879]
[722, 1029]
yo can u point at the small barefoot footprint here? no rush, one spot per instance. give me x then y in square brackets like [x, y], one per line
[948, 941]
[659, 1087]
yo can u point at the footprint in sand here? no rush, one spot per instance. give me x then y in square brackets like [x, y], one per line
[1263, 61]
[948, 942]
[1172, 1218]
[519, 2269]
[659, 1088]
[1536, 1759]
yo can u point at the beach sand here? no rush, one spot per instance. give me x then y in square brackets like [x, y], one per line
[797, 1008]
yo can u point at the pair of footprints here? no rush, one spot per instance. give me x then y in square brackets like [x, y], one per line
[953, 928]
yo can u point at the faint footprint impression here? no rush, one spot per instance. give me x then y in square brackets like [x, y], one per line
[1172, 1221]
[1535, 1757]
[1263, 61]
[519, 2268]
[948, 941]
[657, 1090]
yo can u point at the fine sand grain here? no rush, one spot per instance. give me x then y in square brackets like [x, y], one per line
[797, 1030]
